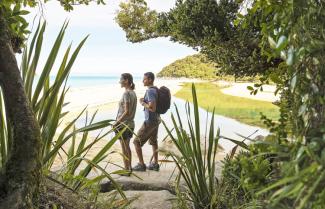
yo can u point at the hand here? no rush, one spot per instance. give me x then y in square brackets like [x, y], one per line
[141, 100]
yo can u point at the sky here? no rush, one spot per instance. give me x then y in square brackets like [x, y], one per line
[106, 52]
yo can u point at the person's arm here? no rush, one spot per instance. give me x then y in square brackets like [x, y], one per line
[126, 101]
[125, 113]
[151, 105]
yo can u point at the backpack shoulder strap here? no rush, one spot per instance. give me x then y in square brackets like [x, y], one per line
[157, 89]
[154, 87]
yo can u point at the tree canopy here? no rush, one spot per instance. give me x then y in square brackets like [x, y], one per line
[206, 25]
[283, 41]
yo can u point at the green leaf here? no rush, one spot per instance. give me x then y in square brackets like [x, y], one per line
[282, 43]
[293, 83]
[250, 88]
[239, 143]
[290, 57]
[272, 42]
[23, 12]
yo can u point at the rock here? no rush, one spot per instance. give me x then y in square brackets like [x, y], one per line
[149, 180]
[141, 199]
[151, 199]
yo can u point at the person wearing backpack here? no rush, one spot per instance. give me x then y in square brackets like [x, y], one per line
[153, 107]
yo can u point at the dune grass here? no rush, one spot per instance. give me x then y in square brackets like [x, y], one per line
[242, 109]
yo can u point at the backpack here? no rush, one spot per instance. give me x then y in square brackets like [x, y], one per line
[163, 100]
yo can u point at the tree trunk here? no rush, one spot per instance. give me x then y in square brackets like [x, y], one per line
[22, 173]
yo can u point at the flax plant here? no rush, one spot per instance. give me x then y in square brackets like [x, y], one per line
[197, 169]
[47, 98]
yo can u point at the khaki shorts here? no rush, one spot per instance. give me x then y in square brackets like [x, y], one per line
[127, 134]
[148, 131]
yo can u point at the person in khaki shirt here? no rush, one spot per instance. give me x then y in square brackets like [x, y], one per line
[125, 117]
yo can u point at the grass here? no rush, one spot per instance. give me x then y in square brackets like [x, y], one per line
[241, 109]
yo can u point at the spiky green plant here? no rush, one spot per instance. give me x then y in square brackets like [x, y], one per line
[47, 101]
[196, 168]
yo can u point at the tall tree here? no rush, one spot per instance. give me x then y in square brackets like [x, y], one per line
[21, 177]
[206, 25]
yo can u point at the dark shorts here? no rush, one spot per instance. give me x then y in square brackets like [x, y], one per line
[127, 134]
[148, 131]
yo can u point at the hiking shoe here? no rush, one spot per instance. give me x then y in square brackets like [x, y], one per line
[153, 166]
[139, 167]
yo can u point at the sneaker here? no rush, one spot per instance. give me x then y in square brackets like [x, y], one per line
[153, 166]
[139, 167]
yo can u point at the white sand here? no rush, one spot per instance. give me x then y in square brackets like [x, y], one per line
[240, 90]
[108, 95]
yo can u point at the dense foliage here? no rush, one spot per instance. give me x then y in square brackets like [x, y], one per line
[284, 42]
[21, 148]
[193, 66]
[296, 33]
[206, 25]
[68, 143]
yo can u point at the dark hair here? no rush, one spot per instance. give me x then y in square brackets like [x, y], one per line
[150, 75]
[129, 77]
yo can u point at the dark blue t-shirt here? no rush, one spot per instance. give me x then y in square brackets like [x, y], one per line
[150, 96]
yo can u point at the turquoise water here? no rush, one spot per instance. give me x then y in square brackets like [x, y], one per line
[75, 81]
[228, 127]
[85, 81]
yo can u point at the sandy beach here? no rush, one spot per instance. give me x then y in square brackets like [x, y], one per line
[105, 99]
[240, 90]
[107, 96]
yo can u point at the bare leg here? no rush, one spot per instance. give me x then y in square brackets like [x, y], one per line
[155, 153]
[124, 151]
[138, 149]
[128, 153]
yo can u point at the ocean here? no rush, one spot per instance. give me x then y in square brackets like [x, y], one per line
[86, 81]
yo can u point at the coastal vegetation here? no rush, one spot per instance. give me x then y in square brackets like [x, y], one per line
[245, 110]
[193, 66]
[59, 140]
[199, 66]
[282, 42]
[198, 173]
